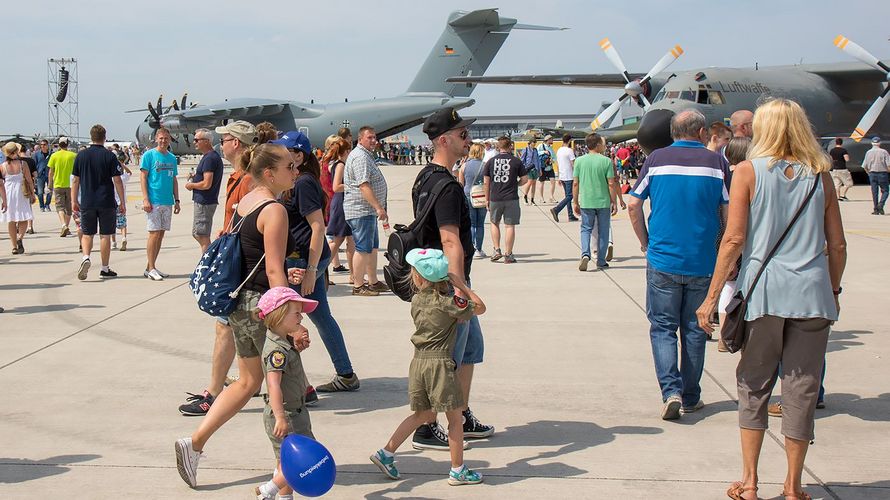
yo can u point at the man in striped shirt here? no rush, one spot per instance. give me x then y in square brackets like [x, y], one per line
[687, 186]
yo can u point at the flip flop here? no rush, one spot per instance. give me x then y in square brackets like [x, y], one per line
[737, 489]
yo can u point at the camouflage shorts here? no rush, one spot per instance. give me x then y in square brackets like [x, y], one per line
[250, 334]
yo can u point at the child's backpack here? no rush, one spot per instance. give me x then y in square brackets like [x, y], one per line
[406, 238]
[216, 280]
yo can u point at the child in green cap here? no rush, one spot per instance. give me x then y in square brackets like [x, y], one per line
[432, 379]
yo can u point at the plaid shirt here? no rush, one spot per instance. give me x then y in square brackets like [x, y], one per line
[361, 168]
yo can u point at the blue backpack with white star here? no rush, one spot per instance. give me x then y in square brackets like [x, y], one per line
[216, 280]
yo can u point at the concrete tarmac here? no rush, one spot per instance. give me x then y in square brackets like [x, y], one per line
[92, 373]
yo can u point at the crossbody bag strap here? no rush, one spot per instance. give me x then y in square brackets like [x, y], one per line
[478, 172]
[772, 252]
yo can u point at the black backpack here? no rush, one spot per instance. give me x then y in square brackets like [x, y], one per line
[403, 239]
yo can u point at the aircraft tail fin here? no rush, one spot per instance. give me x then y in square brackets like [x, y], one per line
[466, 48]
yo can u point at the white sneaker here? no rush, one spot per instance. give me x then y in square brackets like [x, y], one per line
[83, 269]
[187, 461]
[114, 245]
[163, 274]
[153, 275]
[480, 254]
[671, 408]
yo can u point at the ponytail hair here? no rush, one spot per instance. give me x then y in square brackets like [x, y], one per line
[259, 157]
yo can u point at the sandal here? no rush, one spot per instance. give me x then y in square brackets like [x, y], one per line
[800, 495]
[737, 489]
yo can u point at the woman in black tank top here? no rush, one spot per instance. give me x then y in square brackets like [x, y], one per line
[264, 236]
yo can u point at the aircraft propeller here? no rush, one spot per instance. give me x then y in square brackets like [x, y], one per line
[633, 89]
[870, 116]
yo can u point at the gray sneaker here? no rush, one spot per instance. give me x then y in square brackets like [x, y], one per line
[671, 408]
[339, 383]
[187, 461]
[692, 409]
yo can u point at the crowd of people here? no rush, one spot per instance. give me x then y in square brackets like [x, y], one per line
[725, 203]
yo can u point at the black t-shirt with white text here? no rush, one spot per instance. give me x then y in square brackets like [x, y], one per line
[837, 158]
[96, 167]
[504, 170]
[451, 209]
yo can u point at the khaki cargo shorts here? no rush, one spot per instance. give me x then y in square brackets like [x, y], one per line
[297, 423]
[432, 382]
[250, 334]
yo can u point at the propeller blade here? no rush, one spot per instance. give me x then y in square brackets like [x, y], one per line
[175, 106]
[870, 116]
[186, 137]
[184, 99]
[858, 52]
[646, 102]
[613, 56]
[153, 112]
[607, 114]
[663, 63]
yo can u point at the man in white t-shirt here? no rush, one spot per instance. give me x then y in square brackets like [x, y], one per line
[565, 161]
[490, 150]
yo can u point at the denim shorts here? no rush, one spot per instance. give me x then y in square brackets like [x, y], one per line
[470, 346]
[364, 232]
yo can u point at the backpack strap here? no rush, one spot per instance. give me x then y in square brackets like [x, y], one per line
[430, 204]
[258, 206]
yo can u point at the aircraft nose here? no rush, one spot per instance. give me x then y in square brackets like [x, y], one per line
[654, 131]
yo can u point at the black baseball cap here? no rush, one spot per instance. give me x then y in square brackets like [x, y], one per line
[442, 121]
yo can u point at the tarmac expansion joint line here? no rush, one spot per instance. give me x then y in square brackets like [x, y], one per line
[710, 375]
[97, 323]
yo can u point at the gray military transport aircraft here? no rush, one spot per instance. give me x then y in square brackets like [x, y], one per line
[467, 46]
[839, 98]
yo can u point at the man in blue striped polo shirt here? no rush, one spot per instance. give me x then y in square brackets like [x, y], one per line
[687, 187]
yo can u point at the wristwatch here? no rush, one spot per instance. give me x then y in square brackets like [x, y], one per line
[313, 268]
[839, 291]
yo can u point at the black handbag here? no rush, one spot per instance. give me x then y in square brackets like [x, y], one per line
[733, 330]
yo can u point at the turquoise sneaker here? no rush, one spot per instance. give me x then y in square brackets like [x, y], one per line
[465, 476]
[387, 465]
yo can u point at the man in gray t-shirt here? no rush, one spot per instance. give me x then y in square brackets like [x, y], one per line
[364, 202]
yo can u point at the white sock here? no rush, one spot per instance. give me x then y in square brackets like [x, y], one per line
[269, 489]
[105, 268]
[285, 497]
[86, 257]
[457, 470]
[386, 453]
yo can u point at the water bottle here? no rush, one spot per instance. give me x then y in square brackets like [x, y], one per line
[387, 229]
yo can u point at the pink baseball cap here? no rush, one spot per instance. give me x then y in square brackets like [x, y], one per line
[279, 295]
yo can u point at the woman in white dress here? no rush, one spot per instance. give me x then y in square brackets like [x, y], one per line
[19, 195]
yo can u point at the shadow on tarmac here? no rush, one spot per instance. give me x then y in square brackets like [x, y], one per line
[20, 470]
[840, 340]
[377, 393]
[570, 437]
[241, 482]
[49, 308]
[869, 409]
[32, 286]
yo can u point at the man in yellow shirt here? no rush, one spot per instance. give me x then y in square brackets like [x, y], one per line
[61, 165]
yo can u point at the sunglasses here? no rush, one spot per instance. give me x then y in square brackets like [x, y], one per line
[223, 141]
[201, 139]
[464, 134]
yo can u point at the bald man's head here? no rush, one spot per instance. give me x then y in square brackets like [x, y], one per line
[688, 125]
[742, 123]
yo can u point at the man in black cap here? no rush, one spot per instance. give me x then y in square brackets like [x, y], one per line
[448, 229]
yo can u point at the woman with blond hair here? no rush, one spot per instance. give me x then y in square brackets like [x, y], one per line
[782, 204]
[470, 175]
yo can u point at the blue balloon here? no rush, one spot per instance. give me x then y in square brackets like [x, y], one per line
[307, 465]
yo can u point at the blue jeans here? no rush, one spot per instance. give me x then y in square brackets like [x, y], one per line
[364, 232]
[324, 321]
[671, 301]
[41, 184]
[879, 180]
[567, 201]
[601, 217]
[470, 346]
[477, 224]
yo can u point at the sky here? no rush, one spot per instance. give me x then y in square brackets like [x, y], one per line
[130, 52]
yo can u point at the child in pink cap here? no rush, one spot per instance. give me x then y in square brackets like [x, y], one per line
[282, 309]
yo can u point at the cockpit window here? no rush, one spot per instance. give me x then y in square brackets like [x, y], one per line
[702, 96]
[674, 94]
[716, 97]
[687, 95]
[659, 96]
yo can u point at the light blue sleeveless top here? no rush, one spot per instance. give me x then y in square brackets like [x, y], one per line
[796, 282]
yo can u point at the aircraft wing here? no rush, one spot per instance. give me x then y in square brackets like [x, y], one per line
[602, 80]
[853, 71]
